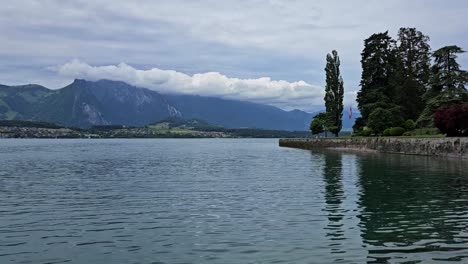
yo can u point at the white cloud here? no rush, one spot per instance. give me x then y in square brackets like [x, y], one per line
[284, 94]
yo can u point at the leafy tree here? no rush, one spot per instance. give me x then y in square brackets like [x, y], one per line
[378, 69]
[334, 90]
[321, 123]
[412, 72]
[316, 126]
[452, 120]
[379, 120]
[444, 99]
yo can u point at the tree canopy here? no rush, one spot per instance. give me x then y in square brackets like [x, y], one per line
[398, 82]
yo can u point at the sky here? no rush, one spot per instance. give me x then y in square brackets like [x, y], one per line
[265, 51]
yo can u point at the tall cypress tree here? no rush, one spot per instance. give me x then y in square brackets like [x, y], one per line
[334, 90]
[378, 70]
[413, 71]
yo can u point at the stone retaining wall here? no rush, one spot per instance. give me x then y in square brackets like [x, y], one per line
[447, 147]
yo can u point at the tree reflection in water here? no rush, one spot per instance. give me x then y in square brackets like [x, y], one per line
[407, 208]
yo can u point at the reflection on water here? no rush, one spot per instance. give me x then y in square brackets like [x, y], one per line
[334, 196]
[226, 201]
[414, 208]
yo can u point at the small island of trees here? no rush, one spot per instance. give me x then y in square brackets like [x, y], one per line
[405, 89]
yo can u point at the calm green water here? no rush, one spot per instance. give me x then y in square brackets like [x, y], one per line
[226, 201]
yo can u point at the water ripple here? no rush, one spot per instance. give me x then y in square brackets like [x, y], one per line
[226, 201]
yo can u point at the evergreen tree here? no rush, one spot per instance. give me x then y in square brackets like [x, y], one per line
[447, 84]
[334, 90]
[412, 72]
[378, 70]
[447, 76]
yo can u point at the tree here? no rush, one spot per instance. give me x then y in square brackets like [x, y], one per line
[334, 90]
[316, 126]
[452, 120]
[447, 84]
[358, 125]
[447, 76]
[412, 72]
[378, 68]
[320, 124]
[379, 120]
[426, 119]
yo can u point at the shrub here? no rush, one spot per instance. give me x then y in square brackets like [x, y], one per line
[445, 99]
[379, 120]
[410, 125]
[386, 132]
[396, 131]
[359, 124]
[366, 132]
[452, 120]
[422, 132]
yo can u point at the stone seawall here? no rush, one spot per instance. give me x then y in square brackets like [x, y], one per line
[446, 147]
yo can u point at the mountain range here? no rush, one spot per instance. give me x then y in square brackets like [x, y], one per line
[87, 103]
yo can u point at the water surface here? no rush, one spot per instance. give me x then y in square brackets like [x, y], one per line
[226, 201]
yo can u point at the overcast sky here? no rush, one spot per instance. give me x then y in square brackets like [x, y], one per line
[268, 51]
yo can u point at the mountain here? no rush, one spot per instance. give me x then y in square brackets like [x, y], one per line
[239, 114]
[85, 103]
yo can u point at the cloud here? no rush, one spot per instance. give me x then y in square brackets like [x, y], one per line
[283, 39]
[284, 94]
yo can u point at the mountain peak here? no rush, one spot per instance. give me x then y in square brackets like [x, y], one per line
[76, 81]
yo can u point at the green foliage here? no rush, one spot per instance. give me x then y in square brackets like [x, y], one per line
[444, 99]
[386, 132]
[21, 123]
[378, 68]
[412, 71]
[334, 90]
[366, 132]
[422, 132]
[396, 131]
[359, 124]
[446, 72]
[447, 86]
[321, 123]
[178, 122]
[393, 132]
[379, 120]
[410, 125]
[316, 126]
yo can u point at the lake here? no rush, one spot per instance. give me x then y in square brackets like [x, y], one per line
[226, 201]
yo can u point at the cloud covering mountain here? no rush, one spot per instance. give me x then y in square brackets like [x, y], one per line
[284, 94]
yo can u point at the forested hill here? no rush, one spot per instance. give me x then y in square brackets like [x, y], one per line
[85, 103]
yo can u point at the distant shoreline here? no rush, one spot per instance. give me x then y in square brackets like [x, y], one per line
[24, 129]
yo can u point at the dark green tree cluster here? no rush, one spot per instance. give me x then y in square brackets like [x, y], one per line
[332, 119]
[398, 82]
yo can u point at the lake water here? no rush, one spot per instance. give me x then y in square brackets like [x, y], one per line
[226, 201]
